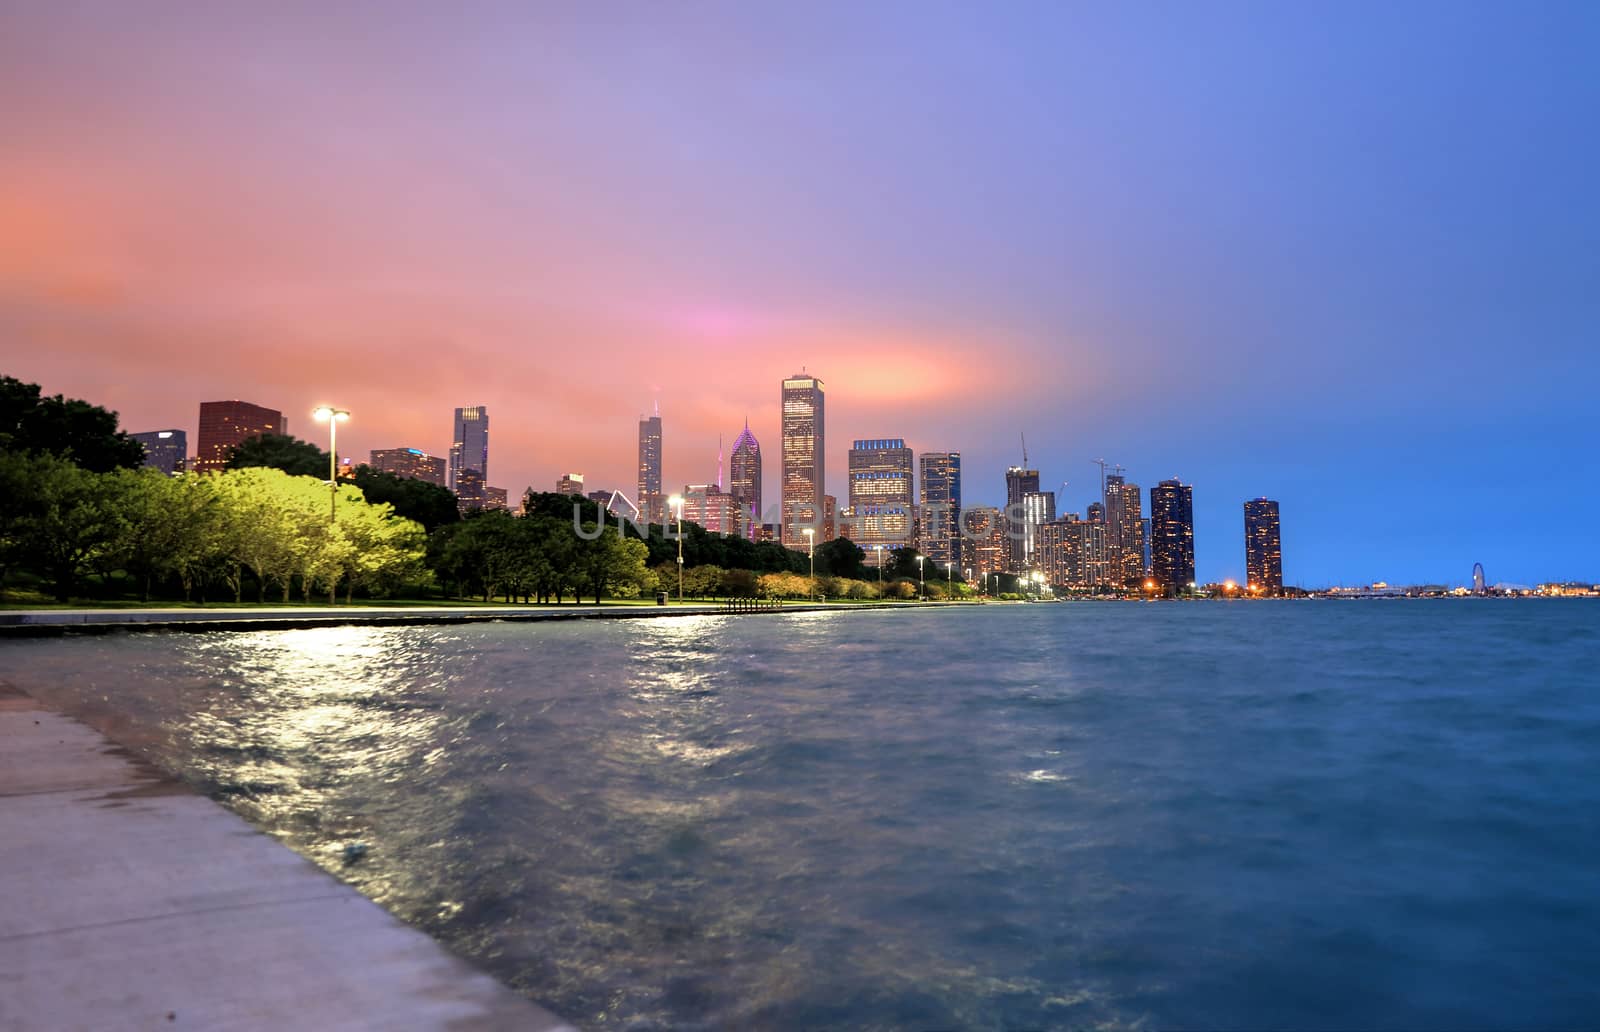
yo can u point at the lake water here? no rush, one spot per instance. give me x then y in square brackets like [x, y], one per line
[1314, 815]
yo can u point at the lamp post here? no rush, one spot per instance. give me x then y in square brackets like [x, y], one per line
[676, 501]
[921, 588]
[333, 417]
[879, 550]
[811, 554]
[949, 578]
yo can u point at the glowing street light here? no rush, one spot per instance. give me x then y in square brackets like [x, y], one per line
[921, 588]
[811, 554]
[676, 501]
[879, 550]
[333, 417]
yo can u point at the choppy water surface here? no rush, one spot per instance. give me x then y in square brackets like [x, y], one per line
[1379, 815]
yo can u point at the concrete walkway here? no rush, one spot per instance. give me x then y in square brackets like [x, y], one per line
[127, 901]
[49, 622]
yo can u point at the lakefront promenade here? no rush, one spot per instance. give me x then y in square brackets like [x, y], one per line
[132, 902]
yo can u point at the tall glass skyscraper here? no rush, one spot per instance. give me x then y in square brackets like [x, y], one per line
[1172, 536]
[940, 498]
[651, 505]
[882, 493]
[469, 445]
[1124, 532]
[1263, 546]
[1019, 484]
[744, 480]
[804, 465]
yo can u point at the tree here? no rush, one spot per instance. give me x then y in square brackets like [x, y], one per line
[428, 504]
[841, 557]
[280, 451]
[77, 430]
[74, 519]
[168, 526]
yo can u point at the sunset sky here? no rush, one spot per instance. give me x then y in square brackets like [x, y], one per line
[1343, 255]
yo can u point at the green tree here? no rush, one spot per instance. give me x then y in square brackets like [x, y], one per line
[84, 433]
[74, 520]
[168, 526]
[280, 451]
[428, 504]
[840, 557]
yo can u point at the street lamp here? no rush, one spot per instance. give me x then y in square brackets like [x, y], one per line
[879, 550]
[949, 581]
[921, 591]
[676, 501]
[333, 417]
[811, 554]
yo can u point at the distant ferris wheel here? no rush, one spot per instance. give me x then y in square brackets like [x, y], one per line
[1478, 585]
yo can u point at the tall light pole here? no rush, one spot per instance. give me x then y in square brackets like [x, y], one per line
[333, 417]
[879, 550]
[676, 501]
[811, 554]
[949, 580]
[921, 587]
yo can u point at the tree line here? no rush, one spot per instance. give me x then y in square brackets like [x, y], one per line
[80, 515]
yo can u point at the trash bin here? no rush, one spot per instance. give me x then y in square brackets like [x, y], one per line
[661, 598]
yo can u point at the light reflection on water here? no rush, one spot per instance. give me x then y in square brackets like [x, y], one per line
[1071, 816]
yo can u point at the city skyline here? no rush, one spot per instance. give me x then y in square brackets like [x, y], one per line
[1303, 280]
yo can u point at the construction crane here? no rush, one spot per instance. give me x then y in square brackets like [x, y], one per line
[1024, 448]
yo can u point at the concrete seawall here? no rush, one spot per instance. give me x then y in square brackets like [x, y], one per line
[51, 622]
[131, 902]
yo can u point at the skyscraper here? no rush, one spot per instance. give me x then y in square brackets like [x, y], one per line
[1019, 482]
[1263, 546]
[940, 499]
[166, 450]
[804, 466]
[570, 484]
[1038, 508]
[744, 479]
[652, 506]
[1124, 532]
[225, 424]
[1172, 536]
[469, 448]
[983, 530]
[410, 462]
[882, 482]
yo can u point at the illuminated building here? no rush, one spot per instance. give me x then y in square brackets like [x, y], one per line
[226, 424]
[1071, 553]
[570, 484]
[652, 505]
[881, 496]
[1019, 482]
[1038, 507]
[166, 450]
[1172, 536]
[410, 462]
[1124, 532]
[940, 500]
[470, 491]
[804, 452]
[1263, 547]
[744, 479]
[495, 498]
[469, 445]
[830, 517]
[984, 540]
[715, 510]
